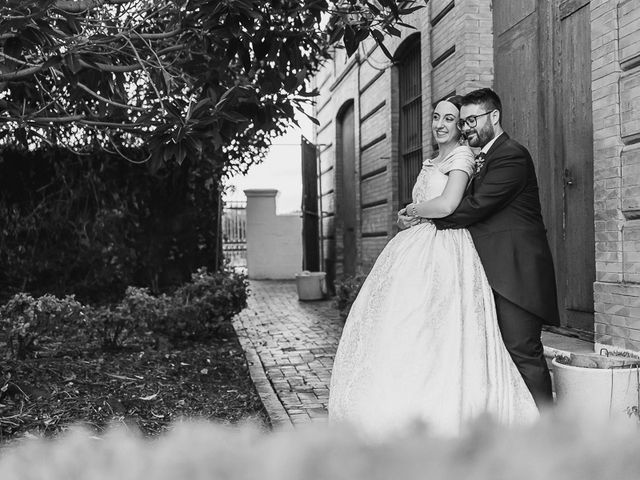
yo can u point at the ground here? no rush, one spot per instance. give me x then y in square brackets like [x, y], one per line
[144, 387]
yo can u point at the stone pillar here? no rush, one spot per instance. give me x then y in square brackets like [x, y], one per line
[274, 242]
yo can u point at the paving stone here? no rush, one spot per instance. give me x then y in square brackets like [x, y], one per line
[295, 342]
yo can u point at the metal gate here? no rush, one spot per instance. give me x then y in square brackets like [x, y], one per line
[234, 234]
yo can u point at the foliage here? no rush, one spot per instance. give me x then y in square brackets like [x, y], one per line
[199, 308]
[195, 310]
[94, 225]
[346, 292]
[556, 447]
[132, 315]
[184, 79]
[28, 321]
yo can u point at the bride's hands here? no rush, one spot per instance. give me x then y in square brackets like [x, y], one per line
[406, 221]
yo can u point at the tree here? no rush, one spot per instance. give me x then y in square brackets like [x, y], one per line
[204, 79]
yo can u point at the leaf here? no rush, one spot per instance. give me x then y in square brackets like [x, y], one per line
[379, 38]
[313, 119]
[234, 117]
[393, 30]
[180, 154]
[54, 60]
[336, 34]
[350, 43]
[149, 397]
[361, 34]
[409, 10]
[73, 63]
[166, 78]
[375, 10]
[406, 25]
[172, 110]
[21, 136]
[200, 106]
[121, 377]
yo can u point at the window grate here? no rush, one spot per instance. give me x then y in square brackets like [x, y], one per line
[410, 80]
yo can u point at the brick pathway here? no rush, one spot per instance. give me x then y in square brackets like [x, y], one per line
[290, 347]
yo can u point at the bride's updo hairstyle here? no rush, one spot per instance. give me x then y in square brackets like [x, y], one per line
[456, 100]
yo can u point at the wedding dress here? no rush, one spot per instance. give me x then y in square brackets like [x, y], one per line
[421, 341]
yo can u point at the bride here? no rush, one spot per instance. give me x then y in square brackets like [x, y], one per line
[421, 342]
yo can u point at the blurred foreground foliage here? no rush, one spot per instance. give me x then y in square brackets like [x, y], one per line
[557, 447]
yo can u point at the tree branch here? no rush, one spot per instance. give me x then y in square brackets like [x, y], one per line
[17, 60]
[104, 67]
[25, 72]
[81, 119]
[160, 36]
[79, 6]
[106, 100]
[125, 126]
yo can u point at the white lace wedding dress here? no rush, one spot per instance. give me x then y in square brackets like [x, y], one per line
[421, 340]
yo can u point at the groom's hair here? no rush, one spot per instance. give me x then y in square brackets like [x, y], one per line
[485, 97]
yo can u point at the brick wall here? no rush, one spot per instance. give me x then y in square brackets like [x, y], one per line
[456, 55]
[615, 42]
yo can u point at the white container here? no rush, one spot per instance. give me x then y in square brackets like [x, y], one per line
[596, 394]
[311, 285]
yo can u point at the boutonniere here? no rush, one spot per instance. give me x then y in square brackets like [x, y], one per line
[479, 162]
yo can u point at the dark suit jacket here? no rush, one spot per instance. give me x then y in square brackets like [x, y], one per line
[501, 209]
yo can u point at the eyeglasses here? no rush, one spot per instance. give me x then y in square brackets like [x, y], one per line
[471, 120]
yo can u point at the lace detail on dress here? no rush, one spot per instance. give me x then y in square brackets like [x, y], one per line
[368, 309]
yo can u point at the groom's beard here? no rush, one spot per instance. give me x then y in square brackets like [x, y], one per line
[479, 138]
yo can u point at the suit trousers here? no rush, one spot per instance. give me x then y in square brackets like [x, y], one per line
[521, 332]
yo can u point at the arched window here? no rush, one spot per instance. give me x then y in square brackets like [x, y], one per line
[410, 126]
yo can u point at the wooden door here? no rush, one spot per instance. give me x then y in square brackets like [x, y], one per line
[574, 50]
[542, 59]
[347, 205]
[310, 216]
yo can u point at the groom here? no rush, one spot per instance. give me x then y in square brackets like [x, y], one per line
[501, 209]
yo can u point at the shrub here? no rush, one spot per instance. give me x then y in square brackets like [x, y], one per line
[346, 292]
[200, 307]
[28, 321]
[92, 224]
[196, 309]
[132, 315]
